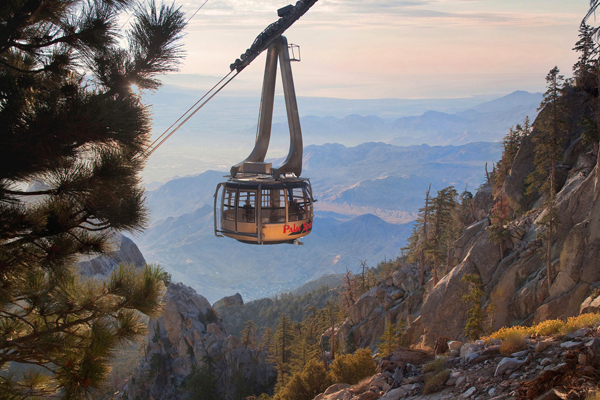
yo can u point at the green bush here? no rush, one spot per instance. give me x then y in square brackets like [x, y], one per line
[306, 385]
[352, 368]
[435, 381]
[436, 365]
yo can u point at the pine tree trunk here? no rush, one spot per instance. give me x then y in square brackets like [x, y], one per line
[421, 270]
[332, 335]
[283, 357]
[549, 253]
[425, 237]
[435, 269]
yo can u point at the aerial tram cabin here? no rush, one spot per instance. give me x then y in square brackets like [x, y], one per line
[266, 211]
[260, 204]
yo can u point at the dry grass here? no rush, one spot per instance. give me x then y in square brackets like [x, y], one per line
[506, 332]
[593, 396]
[547, 328]
[581, 321]
[361, 386]
[513, 342]
[435, 381]
[436, 365]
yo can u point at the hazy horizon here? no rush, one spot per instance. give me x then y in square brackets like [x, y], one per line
[394, 49]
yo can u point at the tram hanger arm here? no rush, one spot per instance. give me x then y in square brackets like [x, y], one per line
[288, 15]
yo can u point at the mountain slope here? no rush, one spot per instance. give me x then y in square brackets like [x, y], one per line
[187, 248]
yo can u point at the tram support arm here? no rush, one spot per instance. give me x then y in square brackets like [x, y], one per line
[215, 209]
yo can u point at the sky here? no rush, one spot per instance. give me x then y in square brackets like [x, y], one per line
[367, 49]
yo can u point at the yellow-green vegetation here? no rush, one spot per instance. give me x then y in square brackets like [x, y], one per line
[593, 396]
[513, 342]
[436, 376]
[581, 321]
[392, 338]
[314, 379]
[305, 385]
[474, 327]
[352, 368]
[435, 365]
[548, 327]
[435, 381]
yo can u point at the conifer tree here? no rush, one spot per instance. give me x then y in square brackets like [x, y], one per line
[74, 131]
[283, 344]
[549, 146]
[389, 340]
[510, 146]
[249, 334]
[466, 210]
[444, 230]
[419, 241]
[500, 216]
[267, 340]
[475, 324]
[585, 67]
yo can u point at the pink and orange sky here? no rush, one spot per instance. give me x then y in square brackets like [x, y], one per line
[391, 49]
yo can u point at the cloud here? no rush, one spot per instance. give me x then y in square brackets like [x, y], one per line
[326, 14]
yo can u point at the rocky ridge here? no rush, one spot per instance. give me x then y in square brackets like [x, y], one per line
[187, 337]
[516, 284]
[125, 251]
[564, 367]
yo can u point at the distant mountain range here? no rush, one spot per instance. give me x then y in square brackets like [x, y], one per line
[486, 122]
[223, 132]
[367, 196]
[188, 249]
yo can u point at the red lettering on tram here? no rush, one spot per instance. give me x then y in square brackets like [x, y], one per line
[294, 229]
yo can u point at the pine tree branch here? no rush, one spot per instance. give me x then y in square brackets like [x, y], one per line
[36, 336]
[24, 71]
[36, 193]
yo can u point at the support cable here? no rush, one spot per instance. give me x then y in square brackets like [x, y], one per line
[166, 134]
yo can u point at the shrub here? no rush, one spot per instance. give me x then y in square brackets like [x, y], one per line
[474, 327]
[506, 331]
[352, 368]
[435, 381]
[201, 384]
[436, 365]
[595, 395]
[211, 315]
[513, 342]
[548, 327]
[581, 321]
[306, 385]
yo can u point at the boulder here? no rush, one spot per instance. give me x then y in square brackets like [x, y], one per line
[336, 388]
[229, 301]
[124, 251]
[395, 394]
[590, 305]
[468, 348]
[454, 345]
[510, 364]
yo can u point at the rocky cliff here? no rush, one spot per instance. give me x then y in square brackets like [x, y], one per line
[516, 284]
[188, 337]
[124, 251]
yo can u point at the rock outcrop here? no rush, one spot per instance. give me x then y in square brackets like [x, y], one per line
[125, 251]
[397, 297]
[515, 280]
[187, 337]
[229, 301]
[548, 368]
